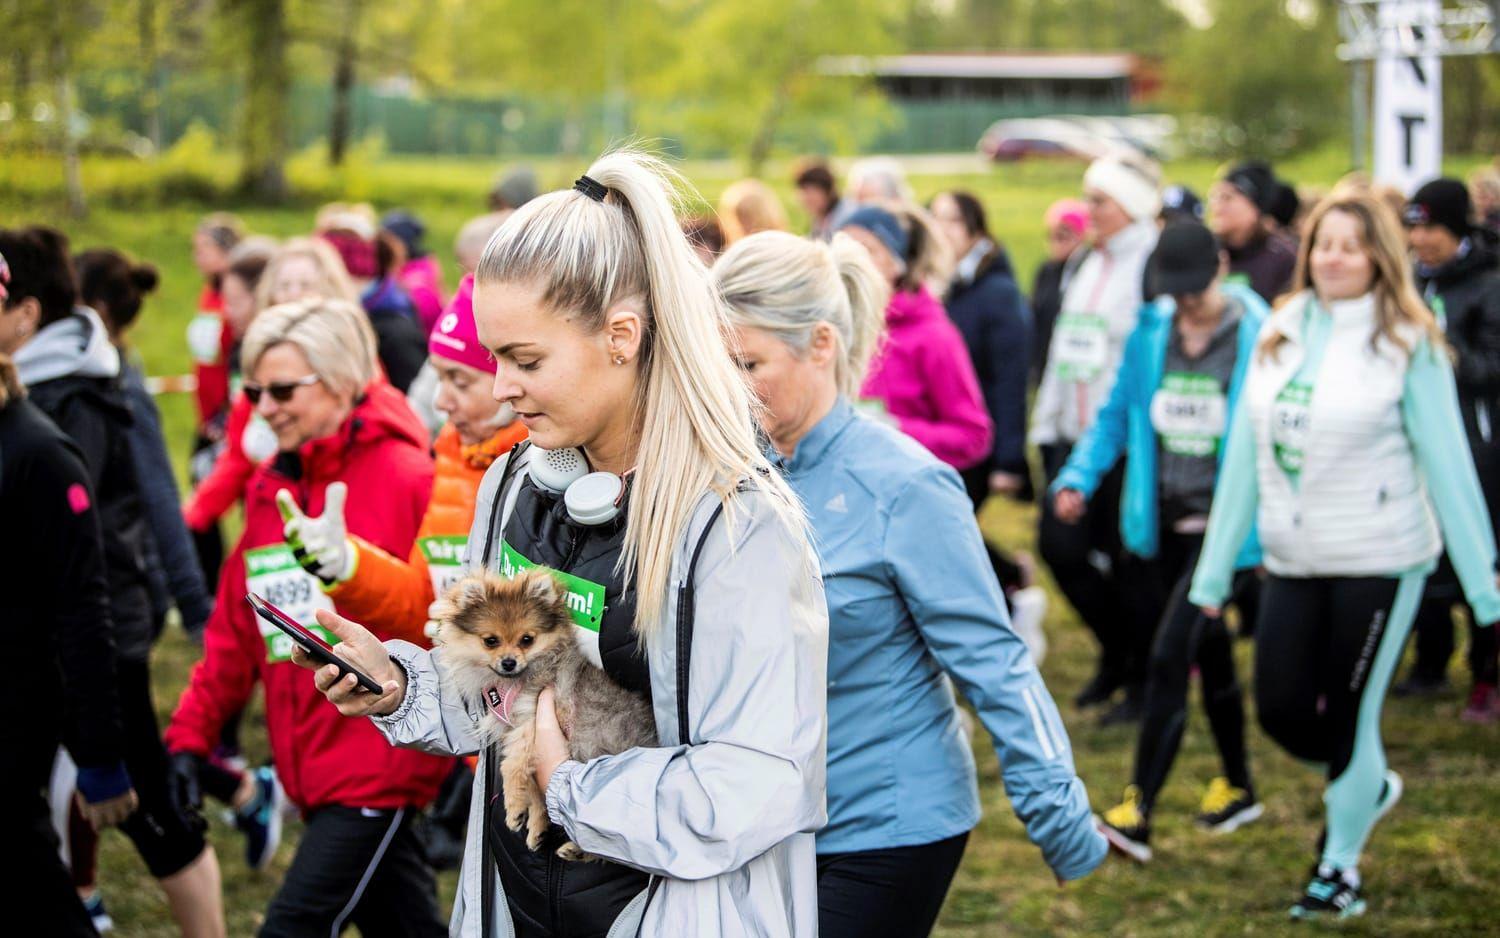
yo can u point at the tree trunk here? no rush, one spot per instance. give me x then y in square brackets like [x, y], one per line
[263, 143]
[765, 134]
[151, 78]
[339, 118]
[63, 91]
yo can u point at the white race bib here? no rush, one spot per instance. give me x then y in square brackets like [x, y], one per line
[1189, 412]
[1080, 346]
[1290, 424]
[445, 560]
[204, 335]
[274, 574]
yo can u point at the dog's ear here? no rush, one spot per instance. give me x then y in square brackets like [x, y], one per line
[542, 587]
[471, 591]
[444, 609]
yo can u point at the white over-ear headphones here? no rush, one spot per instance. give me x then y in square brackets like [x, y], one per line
[591, 498]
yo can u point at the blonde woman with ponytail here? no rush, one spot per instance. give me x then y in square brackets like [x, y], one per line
[911, 598]
[610, 341]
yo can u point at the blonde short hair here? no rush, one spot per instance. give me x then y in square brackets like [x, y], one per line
[749, 206]
[336, 284]
[333, 335]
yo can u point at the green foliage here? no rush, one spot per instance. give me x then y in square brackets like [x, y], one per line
[1281, 91]
[194, 168]
[309, 171]
[762, 75]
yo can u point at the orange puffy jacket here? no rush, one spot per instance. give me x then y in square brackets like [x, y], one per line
[392, 595]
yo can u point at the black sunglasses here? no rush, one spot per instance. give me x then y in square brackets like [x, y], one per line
[280, 391]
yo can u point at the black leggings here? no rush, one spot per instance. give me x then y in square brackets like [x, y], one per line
[1434, 628]
[357, 866]
[165, 838]
[892, 893]
[1324, 652]
[1184, 638]
[1073, 551]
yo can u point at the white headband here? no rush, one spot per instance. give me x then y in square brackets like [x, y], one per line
[1129, 186]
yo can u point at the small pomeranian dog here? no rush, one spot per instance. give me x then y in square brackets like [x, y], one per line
[503, 642]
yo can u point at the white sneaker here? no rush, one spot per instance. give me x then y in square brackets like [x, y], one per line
[1028, 607]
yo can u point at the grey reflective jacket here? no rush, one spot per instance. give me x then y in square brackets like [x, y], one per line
[729, 821]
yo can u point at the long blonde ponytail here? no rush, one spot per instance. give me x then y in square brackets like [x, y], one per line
[694, 413]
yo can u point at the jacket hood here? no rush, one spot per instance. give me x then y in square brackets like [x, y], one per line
[909, 307]
[76, 346]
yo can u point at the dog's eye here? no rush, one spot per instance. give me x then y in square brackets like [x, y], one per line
[526, 641]
[491, 641]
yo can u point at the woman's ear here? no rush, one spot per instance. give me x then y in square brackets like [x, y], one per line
[623, 331]
[824, 345]
[28, 314]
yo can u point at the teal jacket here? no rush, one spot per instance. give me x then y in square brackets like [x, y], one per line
[1124, 423]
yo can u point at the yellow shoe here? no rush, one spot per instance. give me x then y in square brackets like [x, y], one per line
[1126, 828]
[1225, 808]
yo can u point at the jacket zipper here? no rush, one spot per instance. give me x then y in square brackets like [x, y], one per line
[554, 891]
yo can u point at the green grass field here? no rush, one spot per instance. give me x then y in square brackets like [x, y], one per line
[1431, 865]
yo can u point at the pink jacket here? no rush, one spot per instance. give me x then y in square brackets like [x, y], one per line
[923, 374]
[422, 279]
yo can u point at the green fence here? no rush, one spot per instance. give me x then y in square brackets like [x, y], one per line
[501, 126]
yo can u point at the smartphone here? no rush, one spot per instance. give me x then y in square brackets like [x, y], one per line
[315, 647]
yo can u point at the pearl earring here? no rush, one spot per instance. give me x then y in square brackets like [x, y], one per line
[619, 359]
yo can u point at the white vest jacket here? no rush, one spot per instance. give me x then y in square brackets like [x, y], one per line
[1361, 506]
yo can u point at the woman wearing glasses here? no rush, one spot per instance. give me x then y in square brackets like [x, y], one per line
[343, 437]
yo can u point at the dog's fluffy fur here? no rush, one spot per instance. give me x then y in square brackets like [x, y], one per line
[494, 630]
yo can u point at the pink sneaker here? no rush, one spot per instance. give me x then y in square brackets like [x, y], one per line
[1483, 706]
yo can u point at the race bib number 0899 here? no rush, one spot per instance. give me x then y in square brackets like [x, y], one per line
[273, 573]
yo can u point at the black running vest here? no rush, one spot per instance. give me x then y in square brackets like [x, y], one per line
[550, 897]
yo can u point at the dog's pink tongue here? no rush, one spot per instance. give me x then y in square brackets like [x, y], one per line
[501, 699]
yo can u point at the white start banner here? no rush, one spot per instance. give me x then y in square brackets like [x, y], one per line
[1408, 113]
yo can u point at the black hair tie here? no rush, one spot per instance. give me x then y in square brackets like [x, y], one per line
[590, 188]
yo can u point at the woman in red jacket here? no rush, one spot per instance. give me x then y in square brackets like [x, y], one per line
[310, 369]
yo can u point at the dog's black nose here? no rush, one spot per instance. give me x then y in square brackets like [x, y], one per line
[507, 664]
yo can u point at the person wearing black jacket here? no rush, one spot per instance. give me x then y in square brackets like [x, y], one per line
[113, 286]
[63, 354]
[57, 614]
[989, 310]
[1241, 206]
[1458, 272]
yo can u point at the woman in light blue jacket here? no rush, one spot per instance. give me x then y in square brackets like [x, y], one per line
[609, 338]
[912, 602]
[1168, 413]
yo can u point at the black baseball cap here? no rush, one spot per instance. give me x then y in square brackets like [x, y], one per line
[1186, 260]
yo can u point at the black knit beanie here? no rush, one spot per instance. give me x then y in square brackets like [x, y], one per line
[1441, 202]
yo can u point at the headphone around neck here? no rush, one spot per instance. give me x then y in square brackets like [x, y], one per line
[591, 498]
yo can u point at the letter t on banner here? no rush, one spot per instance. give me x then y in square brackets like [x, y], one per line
[1408, 96]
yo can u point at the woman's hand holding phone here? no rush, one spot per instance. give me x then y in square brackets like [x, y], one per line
[361, 649]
